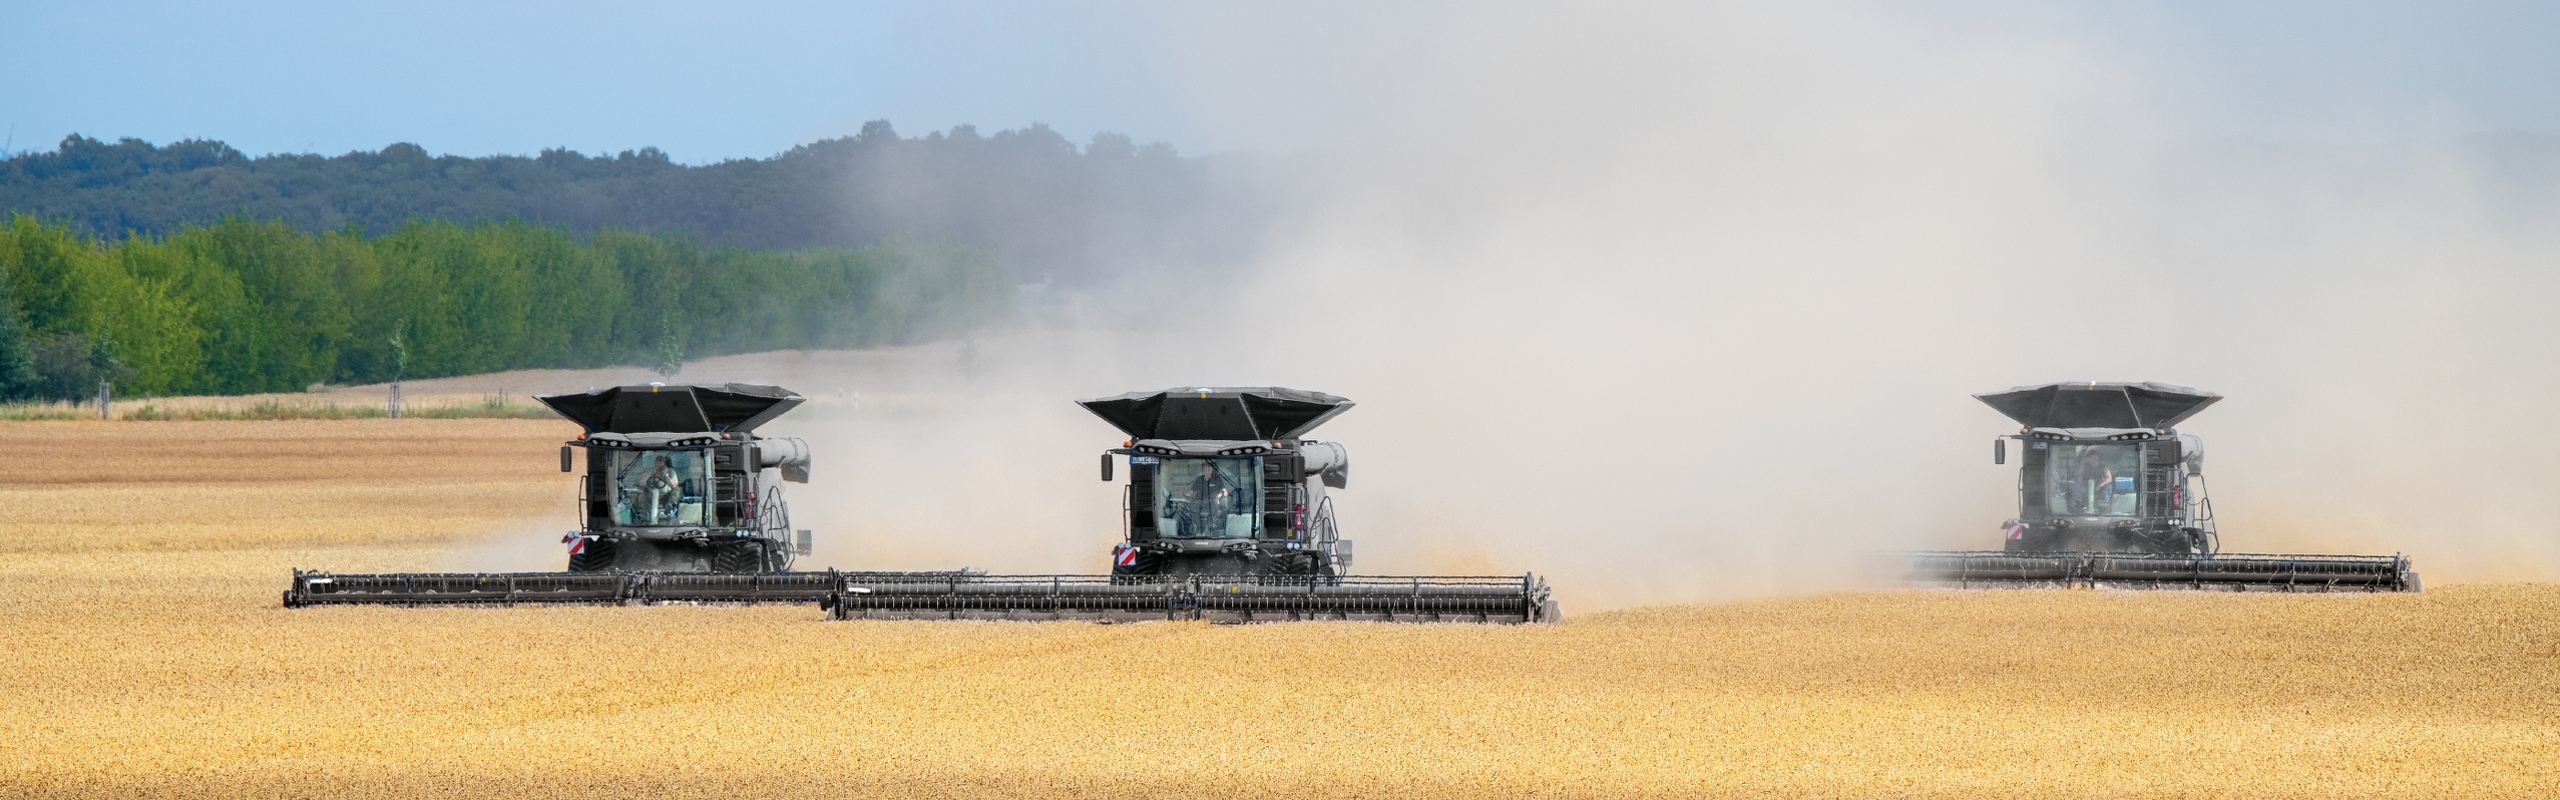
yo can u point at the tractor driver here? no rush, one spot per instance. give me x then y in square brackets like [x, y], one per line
[1209, 503]
[1214, 488]
[2092, 486]
[657, 484]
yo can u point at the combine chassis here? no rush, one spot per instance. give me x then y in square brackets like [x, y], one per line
[2224, 573]
[2112, 496]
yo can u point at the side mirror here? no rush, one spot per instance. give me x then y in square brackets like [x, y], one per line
[1106, 468]
[564, 458]
[1999, 451]
[802, 546]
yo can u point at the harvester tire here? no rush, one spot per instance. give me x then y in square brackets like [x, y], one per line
[738, 557]
[1294, 565]
[596, 557]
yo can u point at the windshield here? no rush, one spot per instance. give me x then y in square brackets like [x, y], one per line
[657, 488]
[1207, 498]
[2093, 479]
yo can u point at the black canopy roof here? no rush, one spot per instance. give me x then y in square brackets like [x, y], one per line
[2099, 405]
[728, 407]
[1225, 412]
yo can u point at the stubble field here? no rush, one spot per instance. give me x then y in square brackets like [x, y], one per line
[146, 655]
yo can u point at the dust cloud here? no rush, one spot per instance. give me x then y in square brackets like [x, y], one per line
[1684, 302]
[1687, 301]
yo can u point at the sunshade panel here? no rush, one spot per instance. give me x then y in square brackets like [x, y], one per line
[735, 407]
[2099, 405]
[1225, 413]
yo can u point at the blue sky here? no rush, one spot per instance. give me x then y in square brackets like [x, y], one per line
[712, 82]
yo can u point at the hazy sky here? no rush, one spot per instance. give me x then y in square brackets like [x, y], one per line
[709, 82]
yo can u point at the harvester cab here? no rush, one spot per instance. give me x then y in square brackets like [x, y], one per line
[1222, 481]
[2102, 468]
[678, 481]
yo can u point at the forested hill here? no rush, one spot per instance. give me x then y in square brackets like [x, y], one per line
[242, 306]
[1048, 209]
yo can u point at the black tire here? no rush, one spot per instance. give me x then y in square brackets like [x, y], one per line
[597, 557]
[1292, 565]
[778, 554]
[738, 557]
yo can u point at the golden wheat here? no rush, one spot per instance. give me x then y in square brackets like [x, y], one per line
[147, 656]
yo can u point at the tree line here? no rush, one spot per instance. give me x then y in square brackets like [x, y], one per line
[244, 306]
[1049, 209]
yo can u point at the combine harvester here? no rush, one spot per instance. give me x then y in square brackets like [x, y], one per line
[2111, 495]
[681, 502]
[1226, 520]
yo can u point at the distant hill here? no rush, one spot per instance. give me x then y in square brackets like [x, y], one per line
[1048, 209]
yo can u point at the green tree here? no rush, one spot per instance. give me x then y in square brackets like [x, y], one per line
[17, 365]
[247, 306]
[287, 307]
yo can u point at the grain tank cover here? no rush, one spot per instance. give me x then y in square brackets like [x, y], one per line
[728, 407]
[2099, 405]
[1230, 412]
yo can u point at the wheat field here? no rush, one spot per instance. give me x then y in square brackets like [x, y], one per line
[147, 656]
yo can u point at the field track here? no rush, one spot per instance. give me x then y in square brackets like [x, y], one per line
[146, 656]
